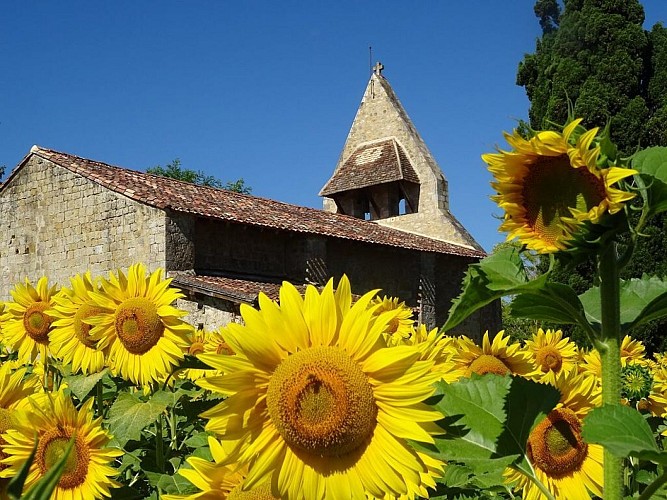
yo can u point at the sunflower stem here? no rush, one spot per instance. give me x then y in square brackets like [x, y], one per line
[99, 398]
[610, 355]
[159, 443]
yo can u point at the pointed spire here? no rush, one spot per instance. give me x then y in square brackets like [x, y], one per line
[382, 121]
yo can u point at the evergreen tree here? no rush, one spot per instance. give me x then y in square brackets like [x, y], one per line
[596, 56]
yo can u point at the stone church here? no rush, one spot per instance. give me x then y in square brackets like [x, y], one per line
[386, 224]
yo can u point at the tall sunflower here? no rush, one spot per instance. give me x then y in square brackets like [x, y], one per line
[15, 388]
[206, 341]
[318, 402]
[70, 336]
[563, 462]
[87, 472]
[26, 325]
[632, 352]
[500, 357]
[433, 346]
[549, 184]
[401, 325]
[219, 480]
[144, 333]
[644, 386]
[552, 353]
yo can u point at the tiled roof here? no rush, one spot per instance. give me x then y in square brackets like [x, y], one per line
[374, 163]
[234, 289]
[165, 193]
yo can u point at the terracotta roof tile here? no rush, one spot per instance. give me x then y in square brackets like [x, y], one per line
[165, 193]
[234, 289]
[370, 164]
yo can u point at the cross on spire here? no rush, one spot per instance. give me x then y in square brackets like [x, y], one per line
[377, 69]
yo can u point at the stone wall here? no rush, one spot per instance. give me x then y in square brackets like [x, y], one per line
[208, 313]
[56, 223]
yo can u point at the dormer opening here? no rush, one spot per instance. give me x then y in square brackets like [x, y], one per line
[376, 182]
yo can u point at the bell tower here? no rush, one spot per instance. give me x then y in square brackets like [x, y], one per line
[386, 173]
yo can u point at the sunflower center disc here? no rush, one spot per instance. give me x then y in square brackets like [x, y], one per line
[138, 325]
[551, 188]
[37, 323]
[549, 359]
[82, 329]
[196, 348]
[321, 402]
[51, 448]
[487, 363]
[555, 444]
[6, 423]
[392, 326]
[223, 348]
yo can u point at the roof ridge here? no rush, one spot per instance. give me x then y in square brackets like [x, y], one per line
[166, 193]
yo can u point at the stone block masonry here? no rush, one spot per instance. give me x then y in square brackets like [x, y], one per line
[56, 223]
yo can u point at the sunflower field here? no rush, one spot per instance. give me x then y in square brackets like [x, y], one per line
[105, 391]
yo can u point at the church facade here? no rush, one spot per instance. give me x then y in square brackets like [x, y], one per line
[386, 224]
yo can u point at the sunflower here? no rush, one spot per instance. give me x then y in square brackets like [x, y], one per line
[645, 387]
[15, 388]
[144, 334]
[551, 353]
[499, 357]
[549, 184]
[205, 341]
[632, 352]
[219, 480]
[87, 472]
[318, 401]
[70, 337]
[433, 346]
[401, 325]
[562, 461]
[26, 325]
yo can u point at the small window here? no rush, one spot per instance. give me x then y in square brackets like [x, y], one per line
[402, 207]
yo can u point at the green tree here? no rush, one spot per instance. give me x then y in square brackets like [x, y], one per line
[595, 57]
[174, 170]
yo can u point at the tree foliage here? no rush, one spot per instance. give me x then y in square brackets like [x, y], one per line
[595, 60]
[597, 55]
[174, 170]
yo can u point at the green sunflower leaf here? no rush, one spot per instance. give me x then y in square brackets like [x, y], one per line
[129, 415]
[651, 164]
[174, 484]
[503, 274]
[81, 385]
[642, 300]
[488, 419]
[624, 432]
[500, 274]
[553, 302]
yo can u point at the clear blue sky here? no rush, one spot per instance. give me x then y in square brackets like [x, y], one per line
[265, 90]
